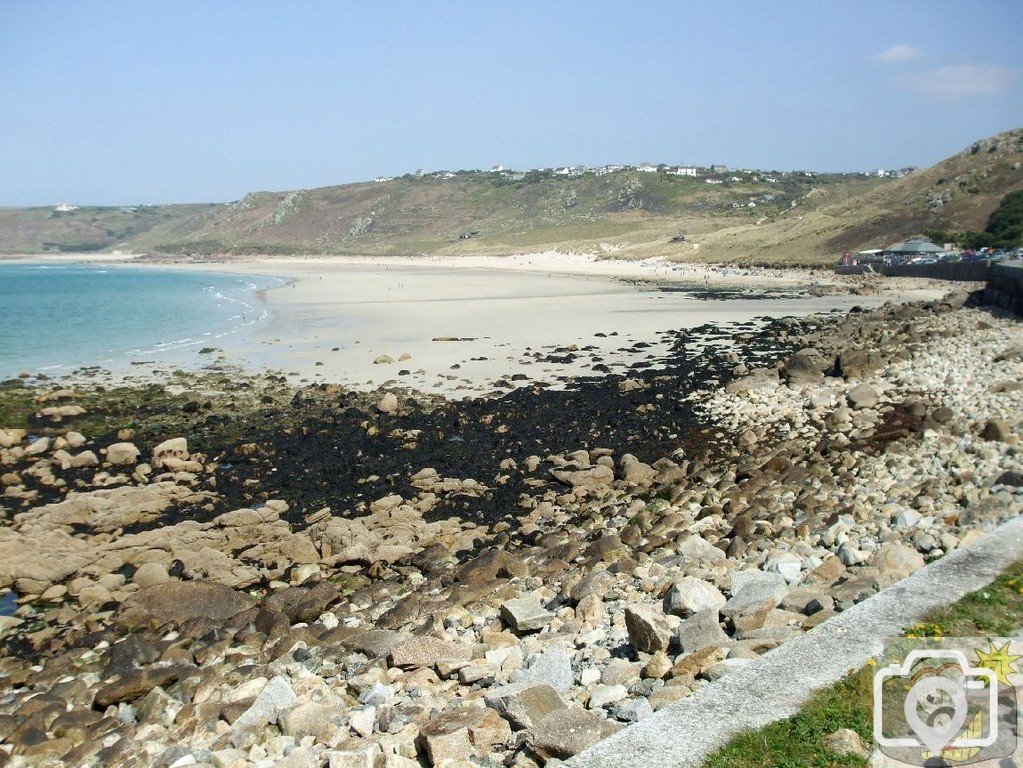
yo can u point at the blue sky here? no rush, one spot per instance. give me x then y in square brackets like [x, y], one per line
[128, 102]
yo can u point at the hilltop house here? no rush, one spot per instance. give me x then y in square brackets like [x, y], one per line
[647, 168]
[681, 170]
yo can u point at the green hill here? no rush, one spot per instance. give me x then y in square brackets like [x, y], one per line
[759, 216]
[958, 194]
[481, 213]
[83, 229]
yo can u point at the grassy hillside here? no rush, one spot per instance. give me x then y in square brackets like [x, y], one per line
[749, 217]
[83, 230]
[410, 216]
[956, 195]
[469, 213]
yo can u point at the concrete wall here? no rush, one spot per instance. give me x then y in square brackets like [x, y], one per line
[964, 270]
[1005, 287]
[970, 271]
[1004, 281]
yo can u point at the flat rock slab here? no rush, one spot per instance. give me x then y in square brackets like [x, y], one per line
[524, 704]
[183, 600]
[553, 667]
[700, 631]
[417, 652]
[274, 699]
[138, 682]
[526, 614]
[568, 732]
[755, 591]
[776, 685]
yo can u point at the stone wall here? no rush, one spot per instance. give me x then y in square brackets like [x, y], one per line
[962, 271]
[1005, 287]
[968, 271]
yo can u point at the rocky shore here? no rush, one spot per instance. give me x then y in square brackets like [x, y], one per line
[264, 576]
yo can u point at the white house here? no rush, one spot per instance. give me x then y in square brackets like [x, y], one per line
[647, 168]
[563, 171]
[681, 170]
[715, 181]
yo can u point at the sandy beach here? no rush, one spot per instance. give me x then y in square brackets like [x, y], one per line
[406, 574]
[463, 324]
[475, 325]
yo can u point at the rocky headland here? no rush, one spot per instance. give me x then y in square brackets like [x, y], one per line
[240, 573]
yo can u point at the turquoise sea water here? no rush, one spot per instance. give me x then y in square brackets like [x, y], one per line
[57, 317]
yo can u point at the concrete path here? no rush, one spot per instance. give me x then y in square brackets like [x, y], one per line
[777, 684]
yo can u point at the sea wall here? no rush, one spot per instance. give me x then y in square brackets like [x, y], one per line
[1005, 287]
[967, 271]
[1004, 281]
[962, 271]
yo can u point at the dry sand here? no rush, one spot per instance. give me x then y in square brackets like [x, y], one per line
[339, 315]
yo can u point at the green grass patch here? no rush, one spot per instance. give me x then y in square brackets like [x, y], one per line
[995, 610]
[798, 741]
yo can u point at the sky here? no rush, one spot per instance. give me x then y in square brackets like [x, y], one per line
[111, 102]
